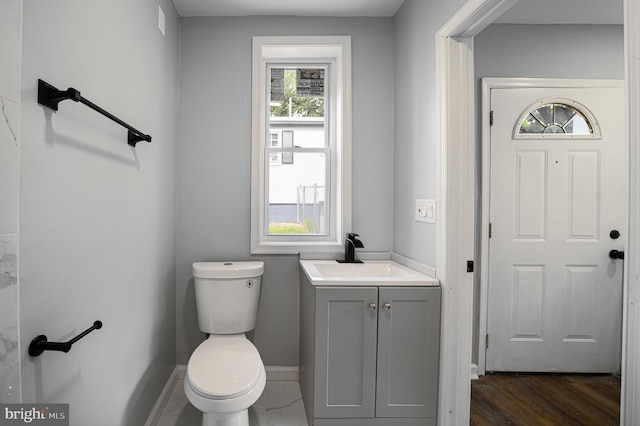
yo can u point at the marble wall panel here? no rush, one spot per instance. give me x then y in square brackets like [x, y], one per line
[9, 163]
[10, 69]
[10, 44]
[9, 356]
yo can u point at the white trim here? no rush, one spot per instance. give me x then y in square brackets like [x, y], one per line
[154, 417]
[276, 373]
[362, 255]
[454, 230]
[474, 372]
[456, 225]
[631, 318]
[489, 83]
[414, 264]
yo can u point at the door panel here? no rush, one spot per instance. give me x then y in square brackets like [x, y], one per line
[554, 295]
[528, 300]
[531, 195]
[584, 189]
[581, 290]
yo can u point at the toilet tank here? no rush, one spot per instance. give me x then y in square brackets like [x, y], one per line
[227, 295]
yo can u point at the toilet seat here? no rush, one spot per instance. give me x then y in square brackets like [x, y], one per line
[224, 367]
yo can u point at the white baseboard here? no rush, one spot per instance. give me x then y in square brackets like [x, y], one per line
[278, 373]
[474, 372]
[154, 417]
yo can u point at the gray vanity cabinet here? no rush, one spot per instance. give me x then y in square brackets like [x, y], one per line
[369, 355]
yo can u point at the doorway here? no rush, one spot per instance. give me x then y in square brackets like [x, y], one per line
[455, 81]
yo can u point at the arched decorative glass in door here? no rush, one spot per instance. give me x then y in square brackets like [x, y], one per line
[557, 118]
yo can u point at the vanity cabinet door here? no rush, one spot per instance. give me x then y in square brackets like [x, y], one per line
[345, 364]
[408, 351]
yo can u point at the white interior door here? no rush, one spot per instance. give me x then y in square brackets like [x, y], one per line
[554, 293]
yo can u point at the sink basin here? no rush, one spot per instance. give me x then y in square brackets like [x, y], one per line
[371, 272]
[380, 269]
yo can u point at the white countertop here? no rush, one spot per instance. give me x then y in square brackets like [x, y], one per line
[368, 273]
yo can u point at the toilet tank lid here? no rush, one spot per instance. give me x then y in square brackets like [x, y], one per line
[228, 269]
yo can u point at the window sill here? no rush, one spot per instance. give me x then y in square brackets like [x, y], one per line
[297, 248]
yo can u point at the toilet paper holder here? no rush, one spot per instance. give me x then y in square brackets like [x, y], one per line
[40, 343]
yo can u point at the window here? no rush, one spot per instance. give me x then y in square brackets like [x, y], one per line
[301, 144]
[274, 142]
[558, 119]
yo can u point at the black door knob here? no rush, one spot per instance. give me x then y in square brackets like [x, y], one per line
[616, 254]
[615, 234]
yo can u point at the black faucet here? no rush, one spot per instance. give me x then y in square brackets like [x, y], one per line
[351, 241]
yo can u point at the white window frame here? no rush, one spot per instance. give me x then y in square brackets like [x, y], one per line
[335, 50]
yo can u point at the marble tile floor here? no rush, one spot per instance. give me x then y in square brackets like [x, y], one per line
[279, 405]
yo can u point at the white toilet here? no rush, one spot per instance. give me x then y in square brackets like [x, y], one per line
[225, 374]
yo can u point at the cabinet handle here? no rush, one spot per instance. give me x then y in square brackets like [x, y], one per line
[387, 306]
[372, 307]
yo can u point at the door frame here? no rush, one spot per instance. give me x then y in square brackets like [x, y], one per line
[489, 83]
[455, 108]
[455, 193]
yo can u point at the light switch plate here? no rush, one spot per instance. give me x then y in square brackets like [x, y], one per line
[425, 211]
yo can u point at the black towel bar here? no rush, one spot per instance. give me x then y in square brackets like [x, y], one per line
[50, 97]
[40, 344]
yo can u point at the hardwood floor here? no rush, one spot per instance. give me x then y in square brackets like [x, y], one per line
[542, 399]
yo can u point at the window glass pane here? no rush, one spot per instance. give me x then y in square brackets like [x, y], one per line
[297, 195]
[297, 199]
[578, 125]
[298, 104]
[562, 114]
[555, 118]
[544, 115]
[531, 125]
[293, 95]
[554, 128]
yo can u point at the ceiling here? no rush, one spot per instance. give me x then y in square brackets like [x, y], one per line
[287, 7]
[524, 12]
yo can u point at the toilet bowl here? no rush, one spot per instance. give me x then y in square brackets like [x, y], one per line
[225, 374]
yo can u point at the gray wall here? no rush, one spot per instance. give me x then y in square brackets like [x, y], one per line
[97, 223]
[10, 44]
[560, 51]
[415, 123]
[214, 162]
[553, 51]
